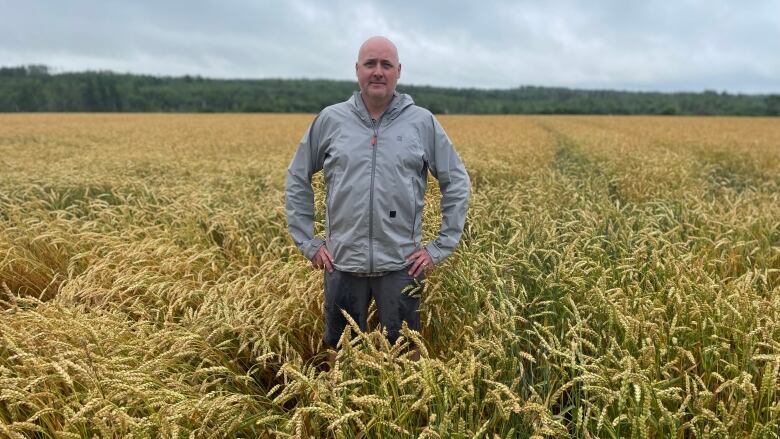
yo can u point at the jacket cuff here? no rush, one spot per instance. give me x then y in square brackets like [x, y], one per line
[436, 253]
[311, 247]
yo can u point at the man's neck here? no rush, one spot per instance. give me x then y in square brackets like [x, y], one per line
[376, 108]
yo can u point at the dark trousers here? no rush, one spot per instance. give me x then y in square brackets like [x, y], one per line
[397, 296]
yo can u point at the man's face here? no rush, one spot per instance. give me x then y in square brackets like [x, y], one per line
[378, 69]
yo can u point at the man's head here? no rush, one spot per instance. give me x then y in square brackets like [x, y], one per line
[378, 69]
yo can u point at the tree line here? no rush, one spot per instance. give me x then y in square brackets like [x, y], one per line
[35, 88]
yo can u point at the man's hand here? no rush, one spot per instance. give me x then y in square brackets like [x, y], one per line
[323, 259]
[421, 262]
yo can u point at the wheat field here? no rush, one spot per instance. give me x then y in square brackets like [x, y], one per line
[617, 277]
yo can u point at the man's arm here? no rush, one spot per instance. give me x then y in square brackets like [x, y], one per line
[447, 167]
[299, 195]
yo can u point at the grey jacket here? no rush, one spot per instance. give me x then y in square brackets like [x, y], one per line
[375, 177]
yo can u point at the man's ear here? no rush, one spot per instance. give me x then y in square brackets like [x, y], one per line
[399, 70]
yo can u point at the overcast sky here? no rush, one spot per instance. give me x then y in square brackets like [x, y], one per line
[617, 44]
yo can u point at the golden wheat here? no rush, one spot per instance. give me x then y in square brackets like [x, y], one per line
[617, 277]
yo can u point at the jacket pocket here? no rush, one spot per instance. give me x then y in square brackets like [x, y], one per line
[413, 199]
[331, 189]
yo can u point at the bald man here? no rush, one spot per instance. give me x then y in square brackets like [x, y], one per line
[376, 150]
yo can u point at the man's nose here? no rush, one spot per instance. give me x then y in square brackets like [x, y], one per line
[377, 71]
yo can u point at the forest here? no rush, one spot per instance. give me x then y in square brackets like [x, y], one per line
[35, 88]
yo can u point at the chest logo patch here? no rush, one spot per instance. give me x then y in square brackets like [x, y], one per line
[399, 138]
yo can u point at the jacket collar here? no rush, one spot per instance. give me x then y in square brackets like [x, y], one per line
[398, 103]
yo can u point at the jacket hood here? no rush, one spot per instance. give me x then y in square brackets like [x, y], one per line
[400, 102]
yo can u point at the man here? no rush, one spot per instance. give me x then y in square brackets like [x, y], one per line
[376, 150]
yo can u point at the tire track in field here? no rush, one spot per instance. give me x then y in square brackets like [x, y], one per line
[572, 161]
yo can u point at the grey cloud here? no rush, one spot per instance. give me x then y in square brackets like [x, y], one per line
[652, 45]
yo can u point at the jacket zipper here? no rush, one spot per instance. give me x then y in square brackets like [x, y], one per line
[374, 141]
[414, 207]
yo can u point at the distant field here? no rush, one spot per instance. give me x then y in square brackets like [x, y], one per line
[618, 277]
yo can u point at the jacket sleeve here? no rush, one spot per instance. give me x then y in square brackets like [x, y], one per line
[299, 195]
[447, 167]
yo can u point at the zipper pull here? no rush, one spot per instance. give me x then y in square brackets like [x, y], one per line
[373, 140]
